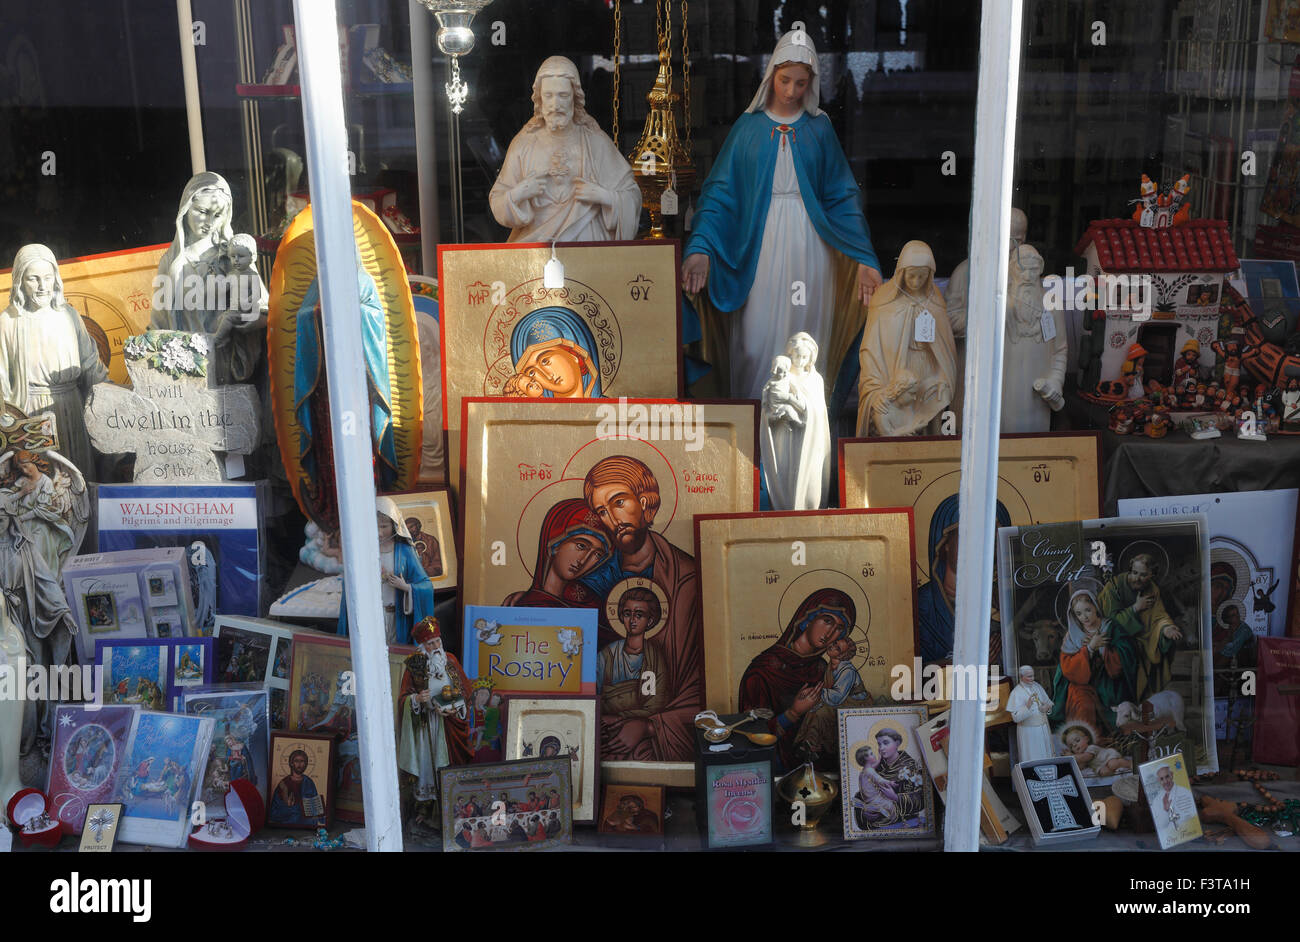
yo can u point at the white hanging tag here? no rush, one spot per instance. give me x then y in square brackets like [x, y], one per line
[924, 328]
[234, 465]
[553, 273]
[668, 202]
[1049, 326]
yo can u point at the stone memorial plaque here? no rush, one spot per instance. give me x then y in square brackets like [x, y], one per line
[173, 418]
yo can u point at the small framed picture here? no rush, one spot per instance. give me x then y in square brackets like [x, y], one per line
[156, 587]
[192, 663]
[99, 829]
[546, 727]
[886, 792]
[1169, 795]
[302, 780]
[428, 518]
[632, 810]
[101, 611]
[507, 806]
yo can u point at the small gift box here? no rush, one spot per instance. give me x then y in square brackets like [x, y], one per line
[245, 815]
[29, 812]
[1055, 799]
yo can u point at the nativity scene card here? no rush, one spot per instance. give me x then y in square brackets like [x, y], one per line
[592, 505]
[1114, 618]
[612, 329]
[1041, 479]
[802, 598]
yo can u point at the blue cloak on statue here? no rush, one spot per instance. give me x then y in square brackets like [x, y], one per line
[307, 375]
[549, 328]
[406, 563]
[732, 209]
[936, 619]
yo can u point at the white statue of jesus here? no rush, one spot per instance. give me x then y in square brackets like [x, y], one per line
[563, 179]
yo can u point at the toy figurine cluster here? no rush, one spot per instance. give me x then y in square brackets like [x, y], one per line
[1157, 210]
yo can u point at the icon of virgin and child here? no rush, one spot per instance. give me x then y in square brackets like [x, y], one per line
[553, 355]
[600, 551]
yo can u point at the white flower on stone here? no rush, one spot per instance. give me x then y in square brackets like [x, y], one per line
[199, 343]
[134, 348]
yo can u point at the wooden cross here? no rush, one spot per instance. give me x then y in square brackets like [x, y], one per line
[1055, 789]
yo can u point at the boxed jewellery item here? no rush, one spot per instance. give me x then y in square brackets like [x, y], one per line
[1055, 799]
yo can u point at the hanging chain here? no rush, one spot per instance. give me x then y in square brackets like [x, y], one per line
[618, 42]
[686, 81]
[666, 38]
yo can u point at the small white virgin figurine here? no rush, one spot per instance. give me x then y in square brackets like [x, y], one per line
[1034, 351]
[194, 278]
[48, 362]
[11, 709]
[908, 354]
[563, 179]
[795, 431]
[1029, 705]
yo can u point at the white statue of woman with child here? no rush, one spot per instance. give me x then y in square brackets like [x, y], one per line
[208, 281]
[795, 430]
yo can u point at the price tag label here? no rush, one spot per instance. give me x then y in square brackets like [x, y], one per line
[553, 274]
[924, 328]
[668, 202]
[1049, 325]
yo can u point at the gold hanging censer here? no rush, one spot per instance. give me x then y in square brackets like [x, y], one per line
[816, 791]
[660, 161]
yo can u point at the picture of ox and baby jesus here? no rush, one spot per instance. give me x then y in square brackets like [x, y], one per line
[1113, 618]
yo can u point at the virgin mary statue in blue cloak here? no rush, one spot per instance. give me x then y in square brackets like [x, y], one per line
[553, 349]
[311, 400]
[935, 604]
[779, 201]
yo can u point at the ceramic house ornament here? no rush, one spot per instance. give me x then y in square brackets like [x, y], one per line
[48, 361]
[908, 354]
[563, 179]
[778, 208]
[794, 430]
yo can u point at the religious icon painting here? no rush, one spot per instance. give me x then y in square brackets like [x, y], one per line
[433, 533]
[256, 651]
[1252, 554]
[1055, 800]
[545, 727]
[1168, 792]
[612, 329]
[526, 804]
[99, 828]
[1041, 479]
[1114, 618]
[885, 791]
[302, 777]
[322, 699]
[85, 756]
[191, 663]
[239, 740]
[591, 505]
[160, 777]
[632, 810]
[805, 599]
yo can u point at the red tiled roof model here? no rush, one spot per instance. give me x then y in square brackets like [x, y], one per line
[1201, 245]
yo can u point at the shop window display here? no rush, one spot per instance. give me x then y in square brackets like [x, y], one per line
[734, 238]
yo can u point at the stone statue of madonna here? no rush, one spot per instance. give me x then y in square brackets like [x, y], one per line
[208, 281]
[795, 431]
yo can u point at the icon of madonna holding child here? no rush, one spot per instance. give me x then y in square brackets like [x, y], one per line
[554, 356]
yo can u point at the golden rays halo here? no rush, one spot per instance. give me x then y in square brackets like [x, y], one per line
[292, 275]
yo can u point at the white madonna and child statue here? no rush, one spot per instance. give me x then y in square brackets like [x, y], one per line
[48, 361]
[795, 431]
[563, 179]
[208, 281]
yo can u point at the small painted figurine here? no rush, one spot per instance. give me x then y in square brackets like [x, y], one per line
[1029, 705]
[1121, 420]
[407, 591]
[1131, 372]
[1187, 369]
